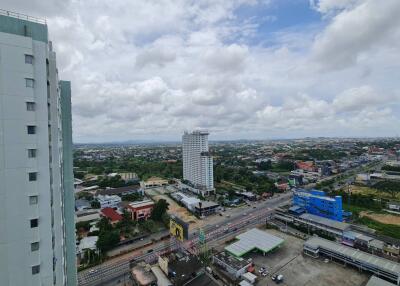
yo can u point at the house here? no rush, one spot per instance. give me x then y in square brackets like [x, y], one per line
[107, 201]
[85, 244]
[129, 177]
[111, 214]
[206, 208]
[82, 204]
[87, 215]
[154, 182]
[141, 210]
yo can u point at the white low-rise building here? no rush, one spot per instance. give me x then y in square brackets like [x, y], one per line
[87, 243]
[108, 201]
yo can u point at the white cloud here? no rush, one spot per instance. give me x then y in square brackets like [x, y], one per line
[152, 69]
[331, 6]
[361, 97]
[352, 32]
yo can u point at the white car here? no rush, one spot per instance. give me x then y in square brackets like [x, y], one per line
[264, 274]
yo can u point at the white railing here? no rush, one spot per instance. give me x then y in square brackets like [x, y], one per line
[22, 16]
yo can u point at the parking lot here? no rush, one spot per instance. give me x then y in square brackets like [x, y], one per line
[298, 269]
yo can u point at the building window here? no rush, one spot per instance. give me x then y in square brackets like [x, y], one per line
[31, 129]
[33, 200]
[31, 153]
[30, 106]
[29, 59]
[35, 269]
[32, 176]
[34, 223]
[29, 82]
[34, 246]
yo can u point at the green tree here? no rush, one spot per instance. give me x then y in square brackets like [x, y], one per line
[160, 208]
[231, 194]
[82, 225]
[104, 225]
[107, 240]
[95, 204]
[264, 165]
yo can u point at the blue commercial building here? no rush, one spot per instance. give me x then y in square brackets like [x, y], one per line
[318, 203]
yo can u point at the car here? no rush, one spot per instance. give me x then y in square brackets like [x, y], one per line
[92, 271]
[254, 207]
[261, 270]
[278, 278]
[264, 274]
[220, 214]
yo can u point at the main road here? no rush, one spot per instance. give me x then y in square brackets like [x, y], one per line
[248, 217]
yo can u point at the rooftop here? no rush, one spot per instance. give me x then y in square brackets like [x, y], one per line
[207, 204]
[121, 190]
[111, 214]
[184, 268]
[142, 276]
[355, 254]
[22, 16]
[254, 239]
[376, 281]
[141, 204]
[88, 242]
[326, 221]
[232, 261]
[162, 280]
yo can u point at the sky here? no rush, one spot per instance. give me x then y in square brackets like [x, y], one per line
[242, 69]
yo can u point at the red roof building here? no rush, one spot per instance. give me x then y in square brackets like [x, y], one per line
[141, 210]
[306, 165]
[111, 214]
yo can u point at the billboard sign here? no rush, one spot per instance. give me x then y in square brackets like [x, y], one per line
[178, 228]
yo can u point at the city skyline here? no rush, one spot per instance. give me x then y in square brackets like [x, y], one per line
[241, 69]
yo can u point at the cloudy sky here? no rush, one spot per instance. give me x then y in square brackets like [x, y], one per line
[150, 69]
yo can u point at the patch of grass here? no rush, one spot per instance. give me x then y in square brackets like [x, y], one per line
[384, 229]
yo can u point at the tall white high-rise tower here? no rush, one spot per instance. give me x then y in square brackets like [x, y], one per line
[37, 233]
[197, 162]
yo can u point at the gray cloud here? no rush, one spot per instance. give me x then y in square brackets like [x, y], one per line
[152, 69]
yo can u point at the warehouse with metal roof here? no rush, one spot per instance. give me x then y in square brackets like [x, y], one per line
[254, 239]
[363, 261]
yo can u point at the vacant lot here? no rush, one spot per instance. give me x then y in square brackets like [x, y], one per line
[374, 192]
[299, 269]
[174, 208]
[382, 218]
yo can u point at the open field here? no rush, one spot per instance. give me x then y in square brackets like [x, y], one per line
[382, 218]
[374, 192]
[299, 269]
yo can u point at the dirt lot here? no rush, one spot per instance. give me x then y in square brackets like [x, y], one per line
[382, 218]
[299, 269]
[174, 208]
